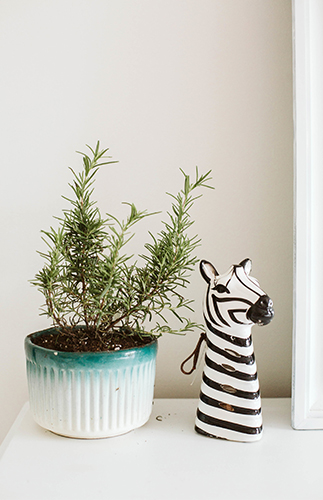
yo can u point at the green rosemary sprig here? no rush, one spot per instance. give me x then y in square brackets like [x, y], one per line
[87, 279]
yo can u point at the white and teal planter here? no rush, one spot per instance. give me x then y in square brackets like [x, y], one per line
[93, 394]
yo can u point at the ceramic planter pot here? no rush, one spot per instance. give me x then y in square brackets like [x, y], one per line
[93, 394]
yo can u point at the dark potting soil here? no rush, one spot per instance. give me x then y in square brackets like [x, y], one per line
[82, 342]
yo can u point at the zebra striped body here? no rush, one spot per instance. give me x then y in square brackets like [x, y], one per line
[229, 405]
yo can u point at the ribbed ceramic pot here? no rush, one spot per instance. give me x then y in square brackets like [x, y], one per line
[93, 394]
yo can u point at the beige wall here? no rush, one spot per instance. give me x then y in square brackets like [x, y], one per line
[165, 84]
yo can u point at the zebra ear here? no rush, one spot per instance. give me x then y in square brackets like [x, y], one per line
[208, 271]
[246, 264]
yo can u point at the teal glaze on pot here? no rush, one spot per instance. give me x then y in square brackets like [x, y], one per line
[90, 395]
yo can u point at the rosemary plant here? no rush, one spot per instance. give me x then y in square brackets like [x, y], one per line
[91, 285]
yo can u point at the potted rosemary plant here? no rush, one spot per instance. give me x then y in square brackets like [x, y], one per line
[91, 374]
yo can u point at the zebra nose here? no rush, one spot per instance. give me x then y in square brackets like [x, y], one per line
[265, 302]
[262, 311]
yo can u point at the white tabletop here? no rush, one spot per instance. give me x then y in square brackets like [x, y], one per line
[165, 459]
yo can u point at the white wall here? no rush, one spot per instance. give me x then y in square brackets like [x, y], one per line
[164, 84]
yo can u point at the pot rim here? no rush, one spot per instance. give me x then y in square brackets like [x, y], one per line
[126, 351]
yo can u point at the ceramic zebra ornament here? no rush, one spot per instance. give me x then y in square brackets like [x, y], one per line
[229, 405]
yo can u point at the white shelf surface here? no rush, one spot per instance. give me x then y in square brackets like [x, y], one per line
[165, 459]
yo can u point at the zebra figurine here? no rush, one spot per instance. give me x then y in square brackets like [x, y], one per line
[229, 405]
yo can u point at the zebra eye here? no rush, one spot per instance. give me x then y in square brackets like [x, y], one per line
[221, 289]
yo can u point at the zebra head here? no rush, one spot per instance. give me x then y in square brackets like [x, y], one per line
[235, 298]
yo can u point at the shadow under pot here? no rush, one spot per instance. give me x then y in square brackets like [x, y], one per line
[90, 394]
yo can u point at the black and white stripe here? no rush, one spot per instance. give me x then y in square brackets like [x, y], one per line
[230, 405]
